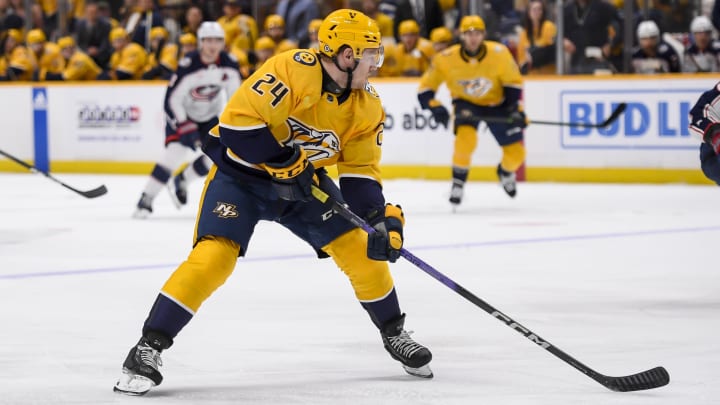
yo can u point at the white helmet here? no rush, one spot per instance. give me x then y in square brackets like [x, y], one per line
[210, 29]
[701, 24]
[647, 29]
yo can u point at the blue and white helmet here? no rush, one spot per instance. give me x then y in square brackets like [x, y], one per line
[209, 29]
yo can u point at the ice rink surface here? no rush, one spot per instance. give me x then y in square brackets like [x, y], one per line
[622, 277]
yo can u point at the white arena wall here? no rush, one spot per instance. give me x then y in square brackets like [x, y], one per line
[103, 127]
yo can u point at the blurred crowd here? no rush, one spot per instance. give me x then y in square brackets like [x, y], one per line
[144, 39]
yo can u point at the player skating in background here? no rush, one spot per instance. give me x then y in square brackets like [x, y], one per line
[196, 94]
[300, 112]
[484, 81]
[705, 120]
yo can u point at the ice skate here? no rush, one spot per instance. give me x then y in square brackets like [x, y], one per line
[177, 186]
[414, 357]
[456, 194]
[141, 367]
[144, 207]
[507, 181]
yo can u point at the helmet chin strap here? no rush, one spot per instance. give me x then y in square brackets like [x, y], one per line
[349, 71]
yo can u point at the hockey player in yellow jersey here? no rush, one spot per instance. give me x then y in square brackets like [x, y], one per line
[128, 60]
[188, 43]
[241, 30]
[413, 53]
[299, 113]
[275, 29]
[484, 81]
[79, 65]
[162, 61]
[45, 55]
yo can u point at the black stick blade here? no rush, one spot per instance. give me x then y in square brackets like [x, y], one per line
[615, 115]
[96, 192]
[646, 380]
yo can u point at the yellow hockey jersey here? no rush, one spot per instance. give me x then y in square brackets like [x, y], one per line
[286, 95]
[81, 67]
[168, 58]
[130, 59]
[478, 80]
[240, 31]
[20, 59]
[50, 61]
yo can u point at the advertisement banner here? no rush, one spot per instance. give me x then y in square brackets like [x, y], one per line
[106, 122]
[16, 115]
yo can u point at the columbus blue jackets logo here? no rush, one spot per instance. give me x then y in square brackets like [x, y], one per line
[318, 144]
[207, 92]
[476, 87]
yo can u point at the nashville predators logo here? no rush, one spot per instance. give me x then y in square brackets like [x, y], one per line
[476, 87]
[225, 210]
[318, 144]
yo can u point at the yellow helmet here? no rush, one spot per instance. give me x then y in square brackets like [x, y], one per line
[441, 34]
[472, 23]
[408, 27]
[159, 32]
[264, 43]
[348, 27]
[118, 33]
[446, 5]
[188, 39]
[274, 20]
[65, 42]
[35, 36]
[15, 34]
[314, 25]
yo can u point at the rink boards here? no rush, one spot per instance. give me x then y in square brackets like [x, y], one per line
[119, 128]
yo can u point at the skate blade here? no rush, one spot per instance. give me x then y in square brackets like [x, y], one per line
[133, 384]
[141, 213]
[422, 372]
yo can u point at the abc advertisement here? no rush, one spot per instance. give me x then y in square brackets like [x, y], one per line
[106, 122]
[652, 133]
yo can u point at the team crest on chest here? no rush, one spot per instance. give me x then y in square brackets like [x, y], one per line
[476, 87]
[319, 144]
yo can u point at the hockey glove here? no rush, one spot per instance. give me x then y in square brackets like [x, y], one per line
[293, 178]
[712, 136]
[439, 112]
[387, 240]
[518, 118]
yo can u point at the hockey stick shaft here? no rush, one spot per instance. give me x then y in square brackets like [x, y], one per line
[648, 379]
[608, 121]
[96, 192]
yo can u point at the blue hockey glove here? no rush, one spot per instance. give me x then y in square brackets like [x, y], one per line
[712, 136]
[293, 178]
[387, 240]
[439, 112]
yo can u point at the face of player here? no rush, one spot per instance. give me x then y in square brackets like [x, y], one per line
[472, 40]
[702, 39]
[37, 48]
[370, 62]
[210, 49]
[649, 44]
[67, 52]
[119, 43]
[409, 40]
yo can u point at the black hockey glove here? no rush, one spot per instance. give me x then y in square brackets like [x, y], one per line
[712, 136]
[387, 240]
[518, 118]
[293, 178]
[441, 115]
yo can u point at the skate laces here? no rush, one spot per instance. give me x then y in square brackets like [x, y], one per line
[149, 356]
[404, 345]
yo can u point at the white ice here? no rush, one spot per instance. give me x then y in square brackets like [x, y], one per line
[622, 277]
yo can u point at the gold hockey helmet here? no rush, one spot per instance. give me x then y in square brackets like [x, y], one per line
[408, 27]
[351, 28]
[35, 36]
[472, 23]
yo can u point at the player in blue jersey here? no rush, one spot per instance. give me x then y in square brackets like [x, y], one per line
[196, 94]
[705, 121]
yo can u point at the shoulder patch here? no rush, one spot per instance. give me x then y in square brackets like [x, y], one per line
[185, 62]
[370, 89]
[663, 48]
[305, 58]
[498, 48]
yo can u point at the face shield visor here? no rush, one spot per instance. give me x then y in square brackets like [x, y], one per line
[374, 56]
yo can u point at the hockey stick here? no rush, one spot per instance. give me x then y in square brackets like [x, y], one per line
[609, 120]
[96, 192]
[645, 380]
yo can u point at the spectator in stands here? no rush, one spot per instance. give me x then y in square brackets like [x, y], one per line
[653, 55]
[193, 19]
[297, 15]
[45, 56]
[536, 42]
[79, 66]
[587, 40]
[240, 29]
[703, 53]
[16, 64]
[92, 33]
[441, 38]
[427, 14]
[128, 60]
[162, 60]
[142, 21]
